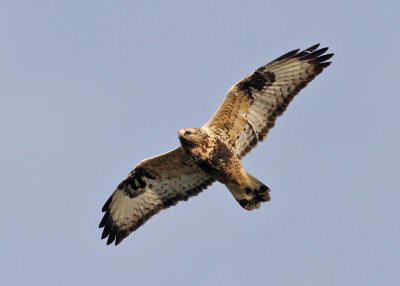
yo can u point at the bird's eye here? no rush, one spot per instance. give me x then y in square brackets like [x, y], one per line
[187, 133]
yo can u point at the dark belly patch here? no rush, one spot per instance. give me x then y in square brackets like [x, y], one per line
[219, 162]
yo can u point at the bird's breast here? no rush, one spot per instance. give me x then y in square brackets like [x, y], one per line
[217, 160]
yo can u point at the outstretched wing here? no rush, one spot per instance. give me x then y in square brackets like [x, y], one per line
[252, 105]
[154, 184]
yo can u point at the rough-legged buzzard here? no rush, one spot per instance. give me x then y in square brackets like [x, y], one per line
[213, 152]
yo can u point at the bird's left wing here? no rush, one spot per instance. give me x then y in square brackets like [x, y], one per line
[154, 184]
[252, 105]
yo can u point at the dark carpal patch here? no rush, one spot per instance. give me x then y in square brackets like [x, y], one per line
[258, 80]
[142, 172]
[136, 182]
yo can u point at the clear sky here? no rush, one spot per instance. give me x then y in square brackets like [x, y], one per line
[90, 88]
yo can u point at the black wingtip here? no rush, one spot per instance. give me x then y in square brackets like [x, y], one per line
[321, 59]
[120, 236]
[106, 205]
[107, 224]
[312, 48]
[288, 55]
[118, 240]
[111, 237]
[309, 55]
[324, 65]
[306, 54]
[104, 234]
[104, 220]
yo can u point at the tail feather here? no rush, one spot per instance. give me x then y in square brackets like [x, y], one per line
[251, 194]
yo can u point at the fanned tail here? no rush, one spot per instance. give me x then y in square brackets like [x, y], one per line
[251, 194]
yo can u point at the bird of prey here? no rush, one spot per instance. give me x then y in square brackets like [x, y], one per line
[214, 152]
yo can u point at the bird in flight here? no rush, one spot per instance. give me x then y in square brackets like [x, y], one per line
[214, 152]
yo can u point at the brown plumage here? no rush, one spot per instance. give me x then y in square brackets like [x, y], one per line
[213, 152]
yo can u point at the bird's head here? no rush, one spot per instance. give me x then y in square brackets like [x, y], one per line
[187, 134]
[190, 137]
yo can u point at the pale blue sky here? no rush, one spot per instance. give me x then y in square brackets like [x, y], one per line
[90, 88]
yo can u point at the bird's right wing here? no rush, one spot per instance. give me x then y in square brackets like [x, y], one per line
[154, 184]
